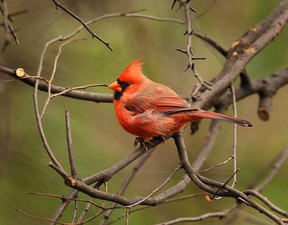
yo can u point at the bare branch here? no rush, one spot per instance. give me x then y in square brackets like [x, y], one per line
[9, 30]
[220, 215]
[270, 84]
[267, 202]
[94, 35]
[188, 51]
[253, 42]
[53, 75]
[69, 145]
[212, 43]
[127, 181]
[40, 218]
[234, 148]
[223, 189]
[157, 189]
[273, 167]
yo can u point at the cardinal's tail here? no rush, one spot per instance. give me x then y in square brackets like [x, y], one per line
[219, 116]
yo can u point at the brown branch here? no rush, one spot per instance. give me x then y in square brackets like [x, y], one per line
[242, 197]
[43, 137]
[65, 198]
[127, 14]
[43, 86]
[277, 163]
[269, 84]
[271, 169]
[40, 218]
[222, 189]
[9, 30]
[230, 74]
[188, 51]
[69, 145]
[266, 202]
[265, 88]
[220, 215]
[126, 182]
[94, 35]
[212, 43]
[248, 46]
[109, 172]
[59, 212]
[157, 189]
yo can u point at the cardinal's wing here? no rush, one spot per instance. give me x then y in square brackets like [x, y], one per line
[171, 104]
[164, 104]
[159, 98]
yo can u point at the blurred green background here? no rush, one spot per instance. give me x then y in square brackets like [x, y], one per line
[98, 140]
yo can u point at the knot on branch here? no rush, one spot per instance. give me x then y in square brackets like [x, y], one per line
[70, 181]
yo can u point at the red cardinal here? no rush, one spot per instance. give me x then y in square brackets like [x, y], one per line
[148, 109]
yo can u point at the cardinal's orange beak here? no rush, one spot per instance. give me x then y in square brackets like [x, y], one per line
[115, 86]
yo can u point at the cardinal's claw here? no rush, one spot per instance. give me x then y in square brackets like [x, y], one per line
[137, 140]
[163, 139]
[142, 143]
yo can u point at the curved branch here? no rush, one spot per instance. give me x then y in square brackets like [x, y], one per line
[244, 49]
[208, 184]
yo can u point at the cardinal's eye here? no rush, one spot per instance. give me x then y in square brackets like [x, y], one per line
[123, 84]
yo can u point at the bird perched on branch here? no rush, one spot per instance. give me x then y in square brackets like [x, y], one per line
[148, 109]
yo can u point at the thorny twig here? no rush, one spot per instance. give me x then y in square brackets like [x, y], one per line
[9, 30]
[188, 51]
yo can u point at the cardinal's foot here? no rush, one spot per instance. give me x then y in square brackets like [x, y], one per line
[141, 141]
[163, 139]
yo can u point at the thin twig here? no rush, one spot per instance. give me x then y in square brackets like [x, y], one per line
[57, 215]
[215, 166]
[88, 205]
[77, 88]
[9, 30]
[94, 35]
[267, 202]
[212, 43]
[181, 198]
[273, 168]
[65, 198]
[206, 184]
[53, 75]
[69, 145]
[224, 184]
[234, 149]
[42, 133]
[206, 10]
[127, 216]
[126, 182]
[41, 218]
[75, 211]
[220, 215]
[157, 189]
